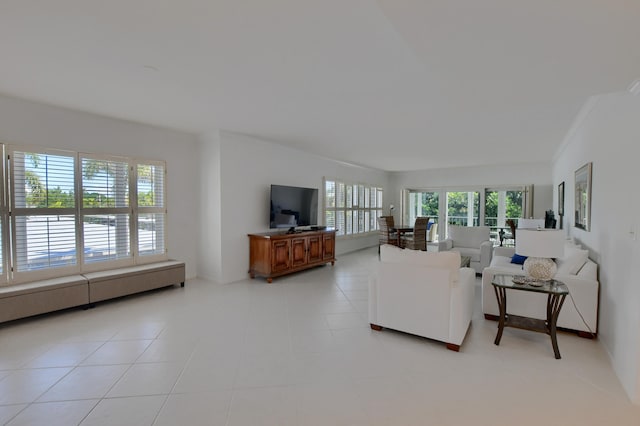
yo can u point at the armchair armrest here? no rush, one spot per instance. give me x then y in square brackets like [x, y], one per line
[462, 297]
[486, 251]
[584, 293]
[445, 245]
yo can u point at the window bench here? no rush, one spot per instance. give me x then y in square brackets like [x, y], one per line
[113, 283]
[39, 297]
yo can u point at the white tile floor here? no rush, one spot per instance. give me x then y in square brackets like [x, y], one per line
[295, 352]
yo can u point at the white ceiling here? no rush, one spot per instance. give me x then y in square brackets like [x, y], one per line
[390, 84]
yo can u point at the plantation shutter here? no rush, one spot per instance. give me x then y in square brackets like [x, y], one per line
[105, 212]
[151, 208]
[43, 213]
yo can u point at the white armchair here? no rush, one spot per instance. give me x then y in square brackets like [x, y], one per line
[422, 293]
[472, 241]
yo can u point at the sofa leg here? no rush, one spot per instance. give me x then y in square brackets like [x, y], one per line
[452, 347]
[376, 327]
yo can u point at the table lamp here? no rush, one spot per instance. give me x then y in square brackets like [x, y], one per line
[540, 246]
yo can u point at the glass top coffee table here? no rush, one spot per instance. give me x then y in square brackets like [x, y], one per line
[556, 292]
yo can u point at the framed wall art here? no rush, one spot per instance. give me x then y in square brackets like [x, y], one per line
[561, 199]
[560, 203]
[582, 204]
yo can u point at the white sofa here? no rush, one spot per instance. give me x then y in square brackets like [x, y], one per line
[575, 269]
[422, 293]
[472, 241]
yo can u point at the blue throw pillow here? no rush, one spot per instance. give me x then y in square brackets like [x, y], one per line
[518, 260]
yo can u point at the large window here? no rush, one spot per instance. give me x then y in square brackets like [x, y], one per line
[352, 208]
[469, 207]
[68, 213]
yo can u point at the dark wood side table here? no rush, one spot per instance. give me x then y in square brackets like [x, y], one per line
[556, 292]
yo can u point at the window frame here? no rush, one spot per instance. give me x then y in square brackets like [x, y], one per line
[9, 214]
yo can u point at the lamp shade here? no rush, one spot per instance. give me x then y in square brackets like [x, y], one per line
[547, 243]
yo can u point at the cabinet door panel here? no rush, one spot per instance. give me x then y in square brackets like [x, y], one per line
[314, 248]
[280, 255]
[328, 246]
[298, 251]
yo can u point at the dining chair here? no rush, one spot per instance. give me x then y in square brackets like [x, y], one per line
[512, 227]
[387, 236]
[418, 239]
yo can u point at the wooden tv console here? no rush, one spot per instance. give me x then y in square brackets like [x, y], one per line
[272, 254]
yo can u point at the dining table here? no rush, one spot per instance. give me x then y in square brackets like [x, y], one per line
[400, 231]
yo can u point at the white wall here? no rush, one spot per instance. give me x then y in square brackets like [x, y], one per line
[209, 239]
[247, 168]
[29, 123]
[538, 174]
[608, 134]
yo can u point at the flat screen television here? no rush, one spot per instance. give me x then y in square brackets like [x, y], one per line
[293, 206]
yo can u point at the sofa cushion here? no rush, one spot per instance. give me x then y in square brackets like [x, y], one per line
[518, 259]
[468, 236]
[445, 259]
[573, 259]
